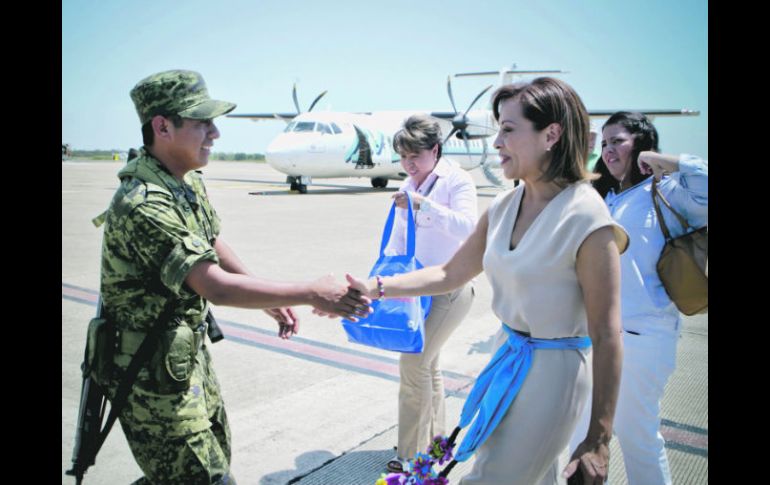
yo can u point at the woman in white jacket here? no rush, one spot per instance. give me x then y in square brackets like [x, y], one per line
[445, 203]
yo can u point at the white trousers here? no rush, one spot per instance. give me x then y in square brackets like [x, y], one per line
[421, 408]
[648, 362]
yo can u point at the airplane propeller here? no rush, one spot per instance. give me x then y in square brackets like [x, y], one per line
[460, 121]
[487, 170]
[296, 103]
[460, 125]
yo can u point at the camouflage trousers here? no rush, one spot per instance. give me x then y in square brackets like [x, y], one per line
[180, 438]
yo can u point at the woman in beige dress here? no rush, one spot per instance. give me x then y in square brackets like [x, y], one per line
[551, 252]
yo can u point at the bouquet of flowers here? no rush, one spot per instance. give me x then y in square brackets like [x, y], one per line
[419, 470]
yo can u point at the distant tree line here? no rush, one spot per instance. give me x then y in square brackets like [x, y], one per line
[238, 157]
[95, 154]
[110, 154]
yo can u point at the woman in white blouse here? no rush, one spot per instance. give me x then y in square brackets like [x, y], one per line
[651, 321]
[445, 210]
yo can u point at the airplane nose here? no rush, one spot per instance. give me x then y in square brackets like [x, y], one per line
[280, 153]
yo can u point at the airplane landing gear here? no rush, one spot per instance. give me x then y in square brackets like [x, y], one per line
[379, 182]
[296, 184]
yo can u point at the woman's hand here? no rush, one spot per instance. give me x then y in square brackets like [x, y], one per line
[590, 459]
[657, 164]
[360, 286]
[400, 199]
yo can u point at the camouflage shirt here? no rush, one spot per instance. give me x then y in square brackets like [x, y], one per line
[156, 229]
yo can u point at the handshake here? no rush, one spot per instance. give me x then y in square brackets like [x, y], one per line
[328, 298]
[339, 300]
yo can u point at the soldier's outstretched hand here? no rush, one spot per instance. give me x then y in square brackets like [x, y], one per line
[288, 321]
[334, 300]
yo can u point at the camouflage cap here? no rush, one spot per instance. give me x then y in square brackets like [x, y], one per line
[176, 92]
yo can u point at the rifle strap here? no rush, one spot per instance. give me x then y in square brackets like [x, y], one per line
[142, 355]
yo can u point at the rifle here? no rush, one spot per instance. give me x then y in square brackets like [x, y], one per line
[87, 443]
[93, 401]
[90, 434]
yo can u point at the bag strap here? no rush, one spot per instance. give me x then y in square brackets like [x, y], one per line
[410, 230]
[656, 191]
[142, 355]
[430, 187]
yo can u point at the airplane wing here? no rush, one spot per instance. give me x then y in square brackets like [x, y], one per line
[265, 116]
[280, 116]
[648, 112]
[448, 115]
[444, 115]
[510, 71]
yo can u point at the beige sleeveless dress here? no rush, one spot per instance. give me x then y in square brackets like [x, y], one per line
[536, 291]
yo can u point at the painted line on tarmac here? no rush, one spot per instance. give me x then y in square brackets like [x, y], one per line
[338, 358]
[306, 349]
[681, 437]
[246, 186]
[341, 357]
[684, 437]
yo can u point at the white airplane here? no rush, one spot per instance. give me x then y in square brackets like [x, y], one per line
[344, 144]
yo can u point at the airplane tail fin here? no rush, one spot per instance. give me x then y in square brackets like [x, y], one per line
[506, 75]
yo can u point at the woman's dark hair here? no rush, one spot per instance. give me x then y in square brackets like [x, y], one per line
[547, 100]
[645, 139]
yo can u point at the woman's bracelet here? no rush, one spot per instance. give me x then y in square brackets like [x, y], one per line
[380, 287]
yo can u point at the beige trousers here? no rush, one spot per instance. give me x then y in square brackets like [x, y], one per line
[421, 394]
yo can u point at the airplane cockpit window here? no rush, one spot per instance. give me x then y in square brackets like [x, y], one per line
[290, 127]
[324, 128]
[304, 126]
[336, 128]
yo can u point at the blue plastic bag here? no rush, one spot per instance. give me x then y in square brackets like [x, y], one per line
[396, 324]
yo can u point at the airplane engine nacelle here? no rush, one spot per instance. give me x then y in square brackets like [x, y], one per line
[481, 124]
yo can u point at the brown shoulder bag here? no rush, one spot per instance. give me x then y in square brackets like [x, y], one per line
[683, 262]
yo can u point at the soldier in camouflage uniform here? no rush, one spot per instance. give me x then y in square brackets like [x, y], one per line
[161, 242]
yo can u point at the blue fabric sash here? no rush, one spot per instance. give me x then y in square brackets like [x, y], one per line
[499, 382]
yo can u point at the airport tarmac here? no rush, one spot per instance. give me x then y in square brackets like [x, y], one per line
[316, 409]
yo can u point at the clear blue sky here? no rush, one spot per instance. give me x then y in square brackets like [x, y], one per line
[392, 55]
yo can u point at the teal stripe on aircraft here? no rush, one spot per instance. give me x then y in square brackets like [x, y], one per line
[379, 143]
[352, 153]
[375, 142]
